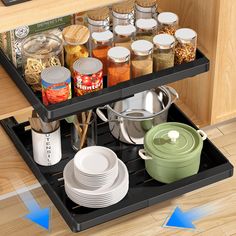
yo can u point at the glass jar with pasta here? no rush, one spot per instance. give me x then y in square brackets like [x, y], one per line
[39, 52]
[75, 37]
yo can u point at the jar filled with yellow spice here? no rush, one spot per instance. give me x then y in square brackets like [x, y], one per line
[124, 35]
[145, 9]
[168, 23]
[141, 58]
[75, 37]
[146, 29]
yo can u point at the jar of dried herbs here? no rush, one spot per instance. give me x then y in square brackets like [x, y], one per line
[185, 50]
[123, 13]
[75, 37]
[141, 60]
[145, 9]
[146, 29]
[168, 23]
[118, 65]
[164, 52]
[101, 43]
[124, 35]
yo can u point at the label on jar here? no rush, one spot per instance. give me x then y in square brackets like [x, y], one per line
[84, 84]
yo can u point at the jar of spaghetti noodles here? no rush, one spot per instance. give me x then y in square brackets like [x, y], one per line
[56, 85]
[39, 52]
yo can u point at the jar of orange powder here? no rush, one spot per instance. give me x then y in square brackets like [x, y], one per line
[118, 65]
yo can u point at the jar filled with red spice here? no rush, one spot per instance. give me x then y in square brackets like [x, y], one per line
[101, 43]
[87, 76]
[118, 65]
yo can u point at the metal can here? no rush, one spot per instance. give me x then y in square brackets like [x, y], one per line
[87, 76]
[56, 85]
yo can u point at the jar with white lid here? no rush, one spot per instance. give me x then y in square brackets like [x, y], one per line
[146, 29]
[118, 65]
[124, 35]
[123, 13]
[168, 23]
[145, 9]
[186, 47]
[141, 61]
[101, 43]
[164, 52]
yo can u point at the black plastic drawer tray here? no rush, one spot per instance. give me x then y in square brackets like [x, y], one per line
[143, 191]
[106, 95]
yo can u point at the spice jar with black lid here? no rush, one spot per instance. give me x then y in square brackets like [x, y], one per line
[185, 50]
[141, 61]
[101, 43]
[124, 35]
[168, 23]
[145, 9]
[146, 29]
[118, 65]
[164, 52]
[123, 13]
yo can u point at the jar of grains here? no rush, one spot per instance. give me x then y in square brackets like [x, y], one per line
[118, 65]
[164, 52]
[141, 60]
[168, 23]
[145, 9]
[123, 13]
[75, 37]
[101, 43]
[185, 50]
[56, 85]
[124, 35]
[87, 76]
[146, 29]
[39, 52]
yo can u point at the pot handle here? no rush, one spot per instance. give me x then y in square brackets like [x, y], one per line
[142, 154]
[203, 134]
[174, 93]
[101, 114]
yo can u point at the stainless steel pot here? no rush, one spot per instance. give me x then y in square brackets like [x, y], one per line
[131, 118]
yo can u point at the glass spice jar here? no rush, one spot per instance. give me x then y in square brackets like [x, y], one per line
[145, 9]
[185, 50]
[168, 23]
[164, 52]
[87, 76]
[39, 52]
[118, 65]
[124, 35]
[75, 37]
[146, 29]
[101, 43]
[56, 85]
[141, 60]
[123, 13]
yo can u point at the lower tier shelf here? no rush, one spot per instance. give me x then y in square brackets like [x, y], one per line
[143, 192]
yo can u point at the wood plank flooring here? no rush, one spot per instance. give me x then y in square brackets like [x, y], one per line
[146, 222]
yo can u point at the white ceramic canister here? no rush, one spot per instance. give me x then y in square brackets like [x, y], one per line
[47, 147]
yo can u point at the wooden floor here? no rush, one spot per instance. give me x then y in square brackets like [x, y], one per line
[147, 222]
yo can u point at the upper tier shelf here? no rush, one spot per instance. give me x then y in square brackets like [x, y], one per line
[106, 95]
[36, 11]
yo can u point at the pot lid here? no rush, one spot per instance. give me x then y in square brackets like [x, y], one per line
[172, 141]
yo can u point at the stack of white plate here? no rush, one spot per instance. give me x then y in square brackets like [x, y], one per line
[96, 178]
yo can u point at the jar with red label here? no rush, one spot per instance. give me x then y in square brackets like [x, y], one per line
[87, 76]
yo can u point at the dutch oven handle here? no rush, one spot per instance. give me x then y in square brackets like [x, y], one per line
[202, 134]
[102, 116]
[142, 154]
[174, 93]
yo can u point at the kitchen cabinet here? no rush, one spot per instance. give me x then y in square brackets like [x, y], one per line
[209, 98]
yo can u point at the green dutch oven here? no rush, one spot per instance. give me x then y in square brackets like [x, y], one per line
[172, 151]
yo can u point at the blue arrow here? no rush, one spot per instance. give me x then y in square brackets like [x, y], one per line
[180, 219]
[36, 214]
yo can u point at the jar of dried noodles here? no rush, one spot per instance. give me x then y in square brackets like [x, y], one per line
[39, 52]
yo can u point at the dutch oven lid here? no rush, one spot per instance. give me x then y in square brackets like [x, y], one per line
[172, 141]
